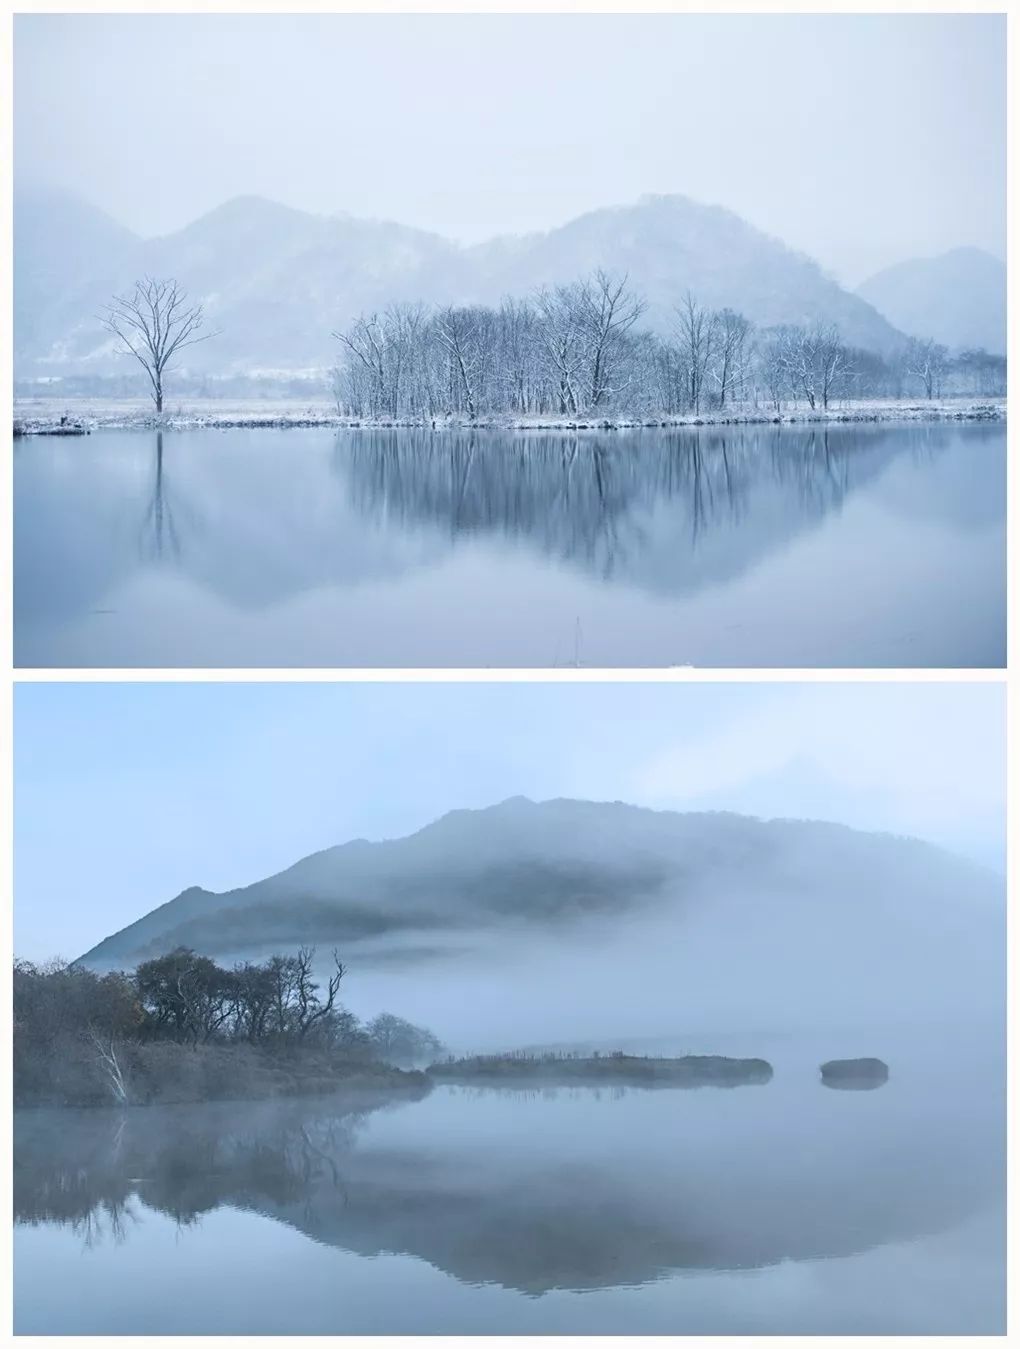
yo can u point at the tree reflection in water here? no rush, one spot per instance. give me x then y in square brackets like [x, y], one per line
[589, 498]
[159, 535]
[535, 1209]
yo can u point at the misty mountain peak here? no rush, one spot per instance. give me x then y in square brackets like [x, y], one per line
[557, 867]
[958, 298]
[514, 803]
[285, 279]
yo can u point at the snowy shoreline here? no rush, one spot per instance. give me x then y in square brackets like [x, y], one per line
[42, 417]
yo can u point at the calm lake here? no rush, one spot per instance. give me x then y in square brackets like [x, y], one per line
[793, 546]
[780, 1208]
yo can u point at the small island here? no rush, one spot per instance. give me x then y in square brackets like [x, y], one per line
[180, 1029]
[616, 1069]
[855, 1074]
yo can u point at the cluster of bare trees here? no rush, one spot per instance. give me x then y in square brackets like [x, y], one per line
[568, 350]
[709, 361]
[927, 362]
[88, 1024]
[571, 350]
[564, 350]
[576, 350]
[809, 364]
[189, 998]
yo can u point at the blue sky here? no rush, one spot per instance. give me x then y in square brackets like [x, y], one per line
[125, 794]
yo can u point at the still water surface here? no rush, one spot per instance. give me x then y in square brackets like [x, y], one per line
[839, 546]
[783, 1208]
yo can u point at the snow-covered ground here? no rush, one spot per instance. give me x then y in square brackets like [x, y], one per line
[48, 416]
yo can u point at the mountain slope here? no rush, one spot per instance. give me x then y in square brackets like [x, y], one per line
[67, 256]
[276, 281]
[671, 244]
[959, 298]
[530, 910]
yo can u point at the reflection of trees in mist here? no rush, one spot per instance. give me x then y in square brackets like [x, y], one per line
[713, 471]
[89, 1189]
[109, 1218]
[538, 1214]
[587, 498]
[581, 497]
[927, 440]
[816, 465]
[544, 1092]
[825, 463]
[159, 536]
[88, 1169]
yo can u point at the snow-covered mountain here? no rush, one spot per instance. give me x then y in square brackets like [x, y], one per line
[277, 281]
[669, 244]
[958, 298]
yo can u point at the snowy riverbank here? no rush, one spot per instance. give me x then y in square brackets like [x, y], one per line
[38, 416]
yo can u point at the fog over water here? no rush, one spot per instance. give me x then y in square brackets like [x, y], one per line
[780, 1202]
[786, 1208]
[602, 1003]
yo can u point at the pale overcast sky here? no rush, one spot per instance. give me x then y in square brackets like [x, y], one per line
[860, 139]
[125, 794]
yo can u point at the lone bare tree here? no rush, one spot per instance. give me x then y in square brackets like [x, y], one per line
[113, 1074]
[153, 324]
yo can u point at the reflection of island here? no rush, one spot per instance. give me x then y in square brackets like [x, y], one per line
[616, 1069]
[530, 1208]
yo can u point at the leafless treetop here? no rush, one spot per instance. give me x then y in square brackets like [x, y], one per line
[153, 324]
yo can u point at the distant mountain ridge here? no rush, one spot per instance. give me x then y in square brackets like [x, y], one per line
[958, 298]
[277, 281]
[540, 867]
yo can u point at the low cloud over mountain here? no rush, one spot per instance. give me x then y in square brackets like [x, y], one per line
[533, 912]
